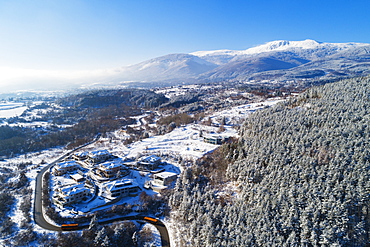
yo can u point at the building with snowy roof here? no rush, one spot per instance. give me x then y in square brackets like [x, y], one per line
[70, 194]
[77, 177]
[80, 156]
[111, 169]
[164, 178]
[216, 140]
[121, 188]
[64, 167]
[150, 162]
[99, 156]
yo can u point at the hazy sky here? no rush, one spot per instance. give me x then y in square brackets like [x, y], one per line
[54, 35]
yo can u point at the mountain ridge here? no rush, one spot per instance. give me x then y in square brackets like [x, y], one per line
[276, 60]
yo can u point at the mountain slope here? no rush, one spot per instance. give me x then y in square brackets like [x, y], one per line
[299, 63]
[304, 58]
[298, 176]
[247, 66]
[353, 62]
[172, 66]
[307, 48]
[277, 60]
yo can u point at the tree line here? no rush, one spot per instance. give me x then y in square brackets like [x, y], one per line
[298, 176]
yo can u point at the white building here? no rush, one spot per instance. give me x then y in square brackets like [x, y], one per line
[111, 169]
[122, 188]
[64, 167]
[99, 156]
[77, 177]
[150, 162]
[216, 140]
[70, 194]
[80, 156]
[164, 178]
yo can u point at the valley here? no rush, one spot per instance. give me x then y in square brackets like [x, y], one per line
[191, 161]
[163, 132]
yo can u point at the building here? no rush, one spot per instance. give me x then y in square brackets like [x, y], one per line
[99, 156]
[111, 169]
[80, 156]
[150, 162]
[77, 177]
[216, 140]
[164, 178]
[64, 167]
[121, 188]
[70, 194]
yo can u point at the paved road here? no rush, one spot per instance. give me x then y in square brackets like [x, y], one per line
[165, 238]
[37, 212]
[41, 221]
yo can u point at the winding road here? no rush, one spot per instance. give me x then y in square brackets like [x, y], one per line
[42, 222]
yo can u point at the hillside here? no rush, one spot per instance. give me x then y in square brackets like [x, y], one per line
[298, 176]
[73, 120]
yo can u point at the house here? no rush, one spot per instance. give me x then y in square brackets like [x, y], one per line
[64, 167]
[99, 156]
[216, 140]
[150, 162]
[111, 169]
[77, 177]
[70, 194]
[121, 188]
[164, 178]
[80, 156]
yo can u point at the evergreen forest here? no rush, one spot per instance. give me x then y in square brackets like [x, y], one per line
[297, 176]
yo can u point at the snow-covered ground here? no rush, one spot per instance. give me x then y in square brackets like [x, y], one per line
[11, 109]
[185, 142]
[237, 114]
[156, 236]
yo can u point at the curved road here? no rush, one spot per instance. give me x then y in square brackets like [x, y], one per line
[41, 221]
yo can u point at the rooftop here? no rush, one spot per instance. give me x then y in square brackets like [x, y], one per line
[77, 176]
[151, 159]
[112, 164]
[74, 189]
[119, 184]
[164, 175]
[67, 164]
[99, 153]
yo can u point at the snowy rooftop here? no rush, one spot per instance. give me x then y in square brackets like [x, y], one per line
[81, 154]
[165, 175]
[99, 153]
[151, 159]
[111, 164]
[70, 163]
[73, 189]
[116, 184]
[77, 176]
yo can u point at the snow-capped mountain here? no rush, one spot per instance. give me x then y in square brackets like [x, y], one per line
[172, 66]
[276, 60]
[283, 45]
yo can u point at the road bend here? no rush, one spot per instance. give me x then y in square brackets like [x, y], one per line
[42, 222]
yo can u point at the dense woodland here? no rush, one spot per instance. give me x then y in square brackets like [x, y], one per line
[298, 176]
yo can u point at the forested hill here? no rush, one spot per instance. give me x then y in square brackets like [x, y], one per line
[298, 176]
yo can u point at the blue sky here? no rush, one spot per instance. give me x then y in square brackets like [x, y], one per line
[91, 34]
